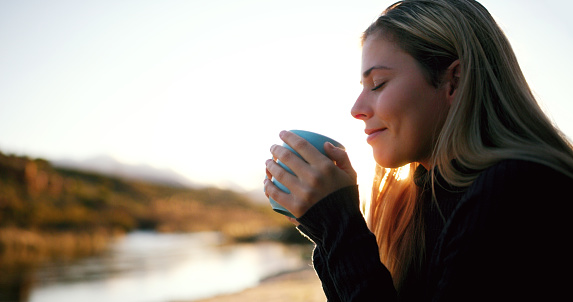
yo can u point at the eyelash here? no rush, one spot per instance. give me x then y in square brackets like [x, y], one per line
[379, 86]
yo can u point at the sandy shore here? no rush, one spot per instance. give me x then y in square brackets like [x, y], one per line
[300, 286]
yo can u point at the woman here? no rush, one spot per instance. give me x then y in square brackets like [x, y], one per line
[482, 215]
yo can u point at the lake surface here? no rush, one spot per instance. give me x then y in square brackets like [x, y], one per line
[153, 267]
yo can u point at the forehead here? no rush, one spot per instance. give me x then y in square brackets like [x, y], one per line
[379, 51]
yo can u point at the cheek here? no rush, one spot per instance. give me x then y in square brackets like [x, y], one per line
[412, 117]
[431, 114]
[389, 107]
[424, 126]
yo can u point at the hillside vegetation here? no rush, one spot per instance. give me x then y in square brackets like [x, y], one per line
[44, 210]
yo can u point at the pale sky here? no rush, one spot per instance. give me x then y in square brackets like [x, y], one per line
[204, 87]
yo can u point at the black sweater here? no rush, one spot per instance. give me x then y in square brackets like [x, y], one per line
[505, 239]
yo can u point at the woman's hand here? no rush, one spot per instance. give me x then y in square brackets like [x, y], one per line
[316, 176]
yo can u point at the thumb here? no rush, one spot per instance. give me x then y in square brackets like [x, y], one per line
[340, 158]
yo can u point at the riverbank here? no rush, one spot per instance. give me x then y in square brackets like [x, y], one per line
[298, 286]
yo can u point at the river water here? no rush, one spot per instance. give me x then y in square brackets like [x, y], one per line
[154, 267]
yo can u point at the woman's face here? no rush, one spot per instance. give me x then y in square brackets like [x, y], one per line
[402, 111]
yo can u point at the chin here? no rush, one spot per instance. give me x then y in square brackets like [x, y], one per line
[388, 162]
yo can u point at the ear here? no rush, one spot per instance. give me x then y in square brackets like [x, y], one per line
[453, 79]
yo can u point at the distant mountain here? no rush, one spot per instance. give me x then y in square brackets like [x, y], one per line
[107, 165]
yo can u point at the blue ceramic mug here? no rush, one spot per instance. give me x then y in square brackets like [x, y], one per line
[315, 139]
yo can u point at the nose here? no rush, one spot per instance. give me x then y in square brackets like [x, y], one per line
[361, 109]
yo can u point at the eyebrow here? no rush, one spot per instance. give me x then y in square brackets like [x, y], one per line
[367, 72]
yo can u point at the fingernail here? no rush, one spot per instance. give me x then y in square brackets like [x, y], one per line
[282, 133]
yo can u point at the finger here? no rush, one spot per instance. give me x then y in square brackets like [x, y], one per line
[292, 162]
[305, 149]
[304, 168]
[274, 192]
[268, 174]
[267, 177]
[340, 157]
[286, 178]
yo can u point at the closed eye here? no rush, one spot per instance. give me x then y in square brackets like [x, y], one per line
[378, 86]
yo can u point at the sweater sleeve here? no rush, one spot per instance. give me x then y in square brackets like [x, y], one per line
[506, 240]
[320, 268]
[346, 254]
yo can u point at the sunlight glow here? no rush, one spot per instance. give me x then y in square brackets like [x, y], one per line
[403, 172]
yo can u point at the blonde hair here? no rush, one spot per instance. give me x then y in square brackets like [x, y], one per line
[494, 117]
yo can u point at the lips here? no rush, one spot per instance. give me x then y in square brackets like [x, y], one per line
[373, 130]
[373, 133]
